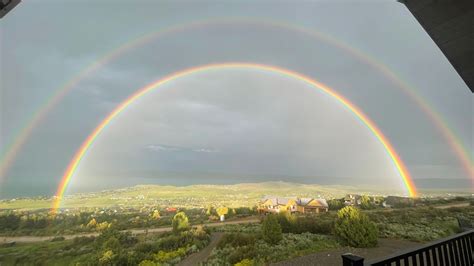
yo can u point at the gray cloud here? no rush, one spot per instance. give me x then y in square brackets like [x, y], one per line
[262, 125]
[162, 147]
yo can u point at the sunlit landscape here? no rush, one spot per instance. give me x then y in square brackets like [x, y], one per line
[236, 133]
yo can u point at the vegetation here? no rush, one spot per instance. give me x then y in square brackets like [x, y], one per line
[222, 211]
[194, 196]
[278, 236]
[335, 204]
[355, 228]
[422, 223]
[271, 230]
[111, 247]
[249, 249]
[366, 203]
[322, 223]
[180, 222]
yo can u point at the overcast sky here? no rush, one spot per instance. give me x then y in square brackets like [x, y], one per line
[228, 125]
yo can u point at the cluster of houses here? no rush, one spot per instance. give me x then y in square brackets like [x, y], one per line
[270, 204]
[386, 202]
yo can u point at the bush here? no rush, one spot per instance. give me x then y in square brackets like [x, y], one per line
[316, 224]
[180, 222]
[335, 204]
[245, 262]
[262, 253]
[112, 244]
[321, 224]
[287, 222]
[174, 255]
[149, 263]
[366, 203]
[355, 228]
[271, 230]
[145, 248]
[236, 240]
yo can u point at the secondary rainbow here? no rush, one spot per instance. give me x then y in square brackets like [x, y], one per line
[15, 145]
[81, 152]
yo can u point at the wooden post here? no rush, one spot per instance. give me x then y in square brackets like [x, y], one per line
[349, 259]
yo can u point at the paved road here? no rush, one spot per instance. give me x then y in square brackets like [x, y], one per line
[201, 256]
[333, 257]
[32, 239]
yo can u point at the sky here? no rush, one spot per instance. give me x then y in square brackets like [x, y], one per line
[226, 125]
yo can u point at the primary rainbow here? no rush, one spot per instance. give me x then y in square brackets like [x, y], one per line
[81, 152]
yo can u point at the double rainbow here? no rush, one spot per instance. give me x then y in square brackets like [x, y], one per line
[13, 148]
[86, 145]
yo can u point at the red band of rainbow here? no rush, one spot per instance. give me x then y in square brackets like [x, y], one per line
[398, 163]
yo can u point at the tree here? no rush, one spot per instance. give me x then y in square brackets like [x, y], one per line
[209, 210]
[366, 203]
[156, 215]
[180, 222]
[355, 228]
[112, 244]
[103, 226]
[287, 221]
[271, 230]
[92, 223]
[336, 204]
[222, 211]
[107, 257]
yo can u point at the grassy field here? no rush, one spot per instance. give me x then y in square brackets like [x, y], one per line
[195, 196]
[239, 195]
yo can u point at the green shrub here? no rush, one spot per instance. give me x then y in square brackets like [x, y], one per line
[169, 256]
[287, 222]
[366, 203]
[245, 262]
[271, 230]
[112, 244]
[145, 248]
[236, 240]
[355, 228]
[180, 222]
[320, 224]
[149, 263]
[263, 253]
[335, 204]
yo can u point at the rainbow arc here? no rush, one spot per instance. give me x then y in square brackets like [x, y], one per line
[86, 145]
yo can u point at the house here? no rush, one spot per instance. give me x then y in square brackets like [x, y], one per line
[277, 204]
[301, 205]
[309, 205]
[352, 200]
[171, 209]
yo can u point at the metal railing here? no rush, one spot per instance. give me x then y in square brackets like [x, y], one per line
[456, 250]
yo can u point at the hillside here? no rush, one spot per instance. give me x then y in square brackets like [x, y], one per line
[245, 194]
[193, 196]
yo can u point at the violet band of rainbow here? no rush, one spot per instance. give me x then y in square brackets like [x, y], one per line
[82, 151]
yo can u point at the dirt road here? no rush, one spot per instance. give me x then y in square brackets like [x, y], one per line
[451, 205]
[32, 239]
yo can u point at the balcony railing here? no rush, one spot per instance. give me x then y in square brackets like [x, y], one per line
[456, 250]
